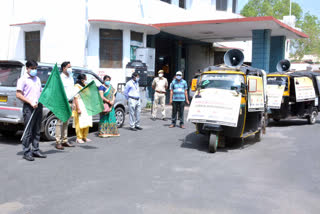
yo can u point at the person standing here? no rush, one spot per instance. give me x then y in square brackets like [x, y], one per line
[28, 91]
[62, 127]
[108, 121]
[160, 85]
[178, 96]
[132, 94]
[81, 120]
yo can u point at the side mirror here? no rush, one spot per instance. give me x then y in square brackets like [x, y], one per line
[243, 88]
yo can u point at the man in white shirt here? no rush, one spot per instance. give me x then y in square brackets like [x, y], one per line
[160, 85]
[62, 127]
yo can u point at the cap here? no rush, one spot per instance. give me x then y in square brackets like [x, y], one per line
[160, 71]
[179, 73]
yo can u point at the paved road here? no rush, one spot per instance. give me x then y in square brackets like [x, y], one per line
[161, 170]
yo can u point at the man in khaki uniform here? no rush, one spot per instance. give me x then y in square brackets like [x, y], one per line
[159, 84]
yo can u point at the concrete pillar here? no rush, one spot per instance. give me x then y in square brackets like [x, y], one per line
[261, 49]
[277, 52]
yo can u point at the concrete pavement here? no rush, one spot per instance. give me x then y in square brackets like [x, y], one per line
[161, 170]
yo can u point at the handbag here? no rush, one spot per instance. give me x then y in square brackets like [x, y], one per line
[107, 108]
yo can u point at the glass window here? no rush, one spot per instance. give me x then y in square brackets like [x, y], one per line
[32, 45]
[43, 72]
[278, 80]
[110, 49]
[182, 4]
[9, 75]
[234, 6]
[221, 81]
[222, 5]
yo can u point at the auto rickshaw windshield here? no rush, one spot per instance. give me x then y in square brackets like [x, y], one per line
[278, 80]
[221, 81]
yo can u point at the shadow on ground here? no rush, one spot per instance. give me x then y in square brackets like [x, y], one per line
[292, 122]
[200, 142]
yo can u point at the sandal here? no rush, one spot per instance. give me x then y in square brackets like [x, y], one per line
[80, 141]
[87, 140]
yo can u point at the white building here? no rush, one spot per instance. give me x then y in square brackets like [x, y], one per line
[99, 34]
[102, 35]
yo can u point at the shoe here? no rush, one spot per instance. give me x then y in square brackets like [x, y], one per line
[87, 140]
[80, 141]
[59, 146]
[138, 128]
[28, 157]
[172, 126]
[153, 118]
[38, 154]
[133, 129]
[182, 126]
[164, 119]
[67, 144]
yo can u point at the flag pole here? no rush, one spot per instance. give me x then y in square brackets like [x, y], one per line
[24, 131]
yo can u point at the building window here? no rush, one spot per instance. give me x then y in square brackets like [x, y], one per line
[222, 5]
[110, 48]
[32, 45]
[136, 42]
[182, 4]
[234, 6]
[167, 1]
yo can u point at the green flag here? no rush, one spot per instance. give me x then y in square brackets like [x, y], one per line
[91, 99]
[54, 97]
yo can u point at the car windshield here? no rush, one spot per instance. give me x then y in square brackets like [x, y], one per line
[9, 75]
[278, 80]
[221, 81]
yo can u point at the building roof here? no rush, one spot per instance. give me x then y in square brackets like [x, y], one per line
[235, 29]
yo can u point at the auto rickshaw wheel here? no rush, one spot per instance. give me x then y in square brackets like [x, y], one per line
[313, 117]
[258, 136]
[213, 143]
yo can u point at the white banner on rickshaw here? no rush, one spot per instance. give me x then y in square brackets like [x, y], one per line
[304, 89]
[275, 94]
[216, 106]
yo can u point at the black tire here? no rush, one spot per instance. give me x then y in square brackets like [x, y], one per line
[8, 133]
[313, 117]
[258, 136]
[50, 128]
[120, 116]
[213, 144]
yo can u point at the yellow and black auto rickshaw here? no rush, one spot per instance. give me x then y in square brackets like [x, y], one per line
[229, 102]
[292, 94]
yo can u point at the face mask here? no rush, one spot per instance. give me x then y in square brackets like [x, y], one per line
[86, 82]
[107, 83]
[69, 70]
[33, 72]
[137, 79]
[178, 77]
[160, 75]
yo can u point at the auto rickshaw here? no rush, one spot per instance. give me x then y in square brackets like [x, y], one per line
[229, 102]
[292, 94]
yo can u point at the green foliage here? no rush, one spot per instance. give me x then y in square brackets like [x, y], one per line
[308, 23]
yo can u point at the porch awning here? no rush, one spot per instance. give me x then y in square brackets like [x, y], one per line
[223, 30]
[117, 24]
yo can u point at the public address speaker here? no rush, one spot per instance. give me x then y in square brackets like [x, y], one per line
[233, 58]
[283, 65]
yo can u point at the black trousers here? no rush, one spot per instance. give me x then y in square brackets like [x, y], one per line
[177, 106]
[32, 133]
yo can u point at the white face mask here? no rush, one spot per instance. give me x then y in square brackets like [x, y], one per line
[160, 75]
[69, 70]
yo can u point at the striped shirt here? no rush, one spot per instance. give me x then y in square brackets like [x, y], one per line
[178, 88]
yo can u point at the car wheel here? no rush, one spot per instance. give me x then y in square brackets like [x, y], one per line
[120, 116]
[50, 128]
[213, 143]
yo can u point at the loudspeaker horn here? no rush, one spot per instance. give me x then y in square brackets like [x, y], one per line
[233, 58]
[283, 65]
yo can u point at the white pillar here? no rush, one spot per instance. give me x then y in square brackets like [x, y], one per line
[126, 48]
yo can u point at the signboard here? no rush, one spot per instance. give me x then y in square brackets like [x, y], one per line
[275, 94]
[216, 106]
[304, 89]
[255, 94]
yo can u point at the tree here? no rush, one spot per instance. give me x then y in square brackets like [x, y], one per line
[311, 26]
[308, 23]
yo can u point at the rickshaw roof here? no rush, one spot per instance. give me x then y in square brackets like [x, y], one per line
[295, 74]
[244, 70]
